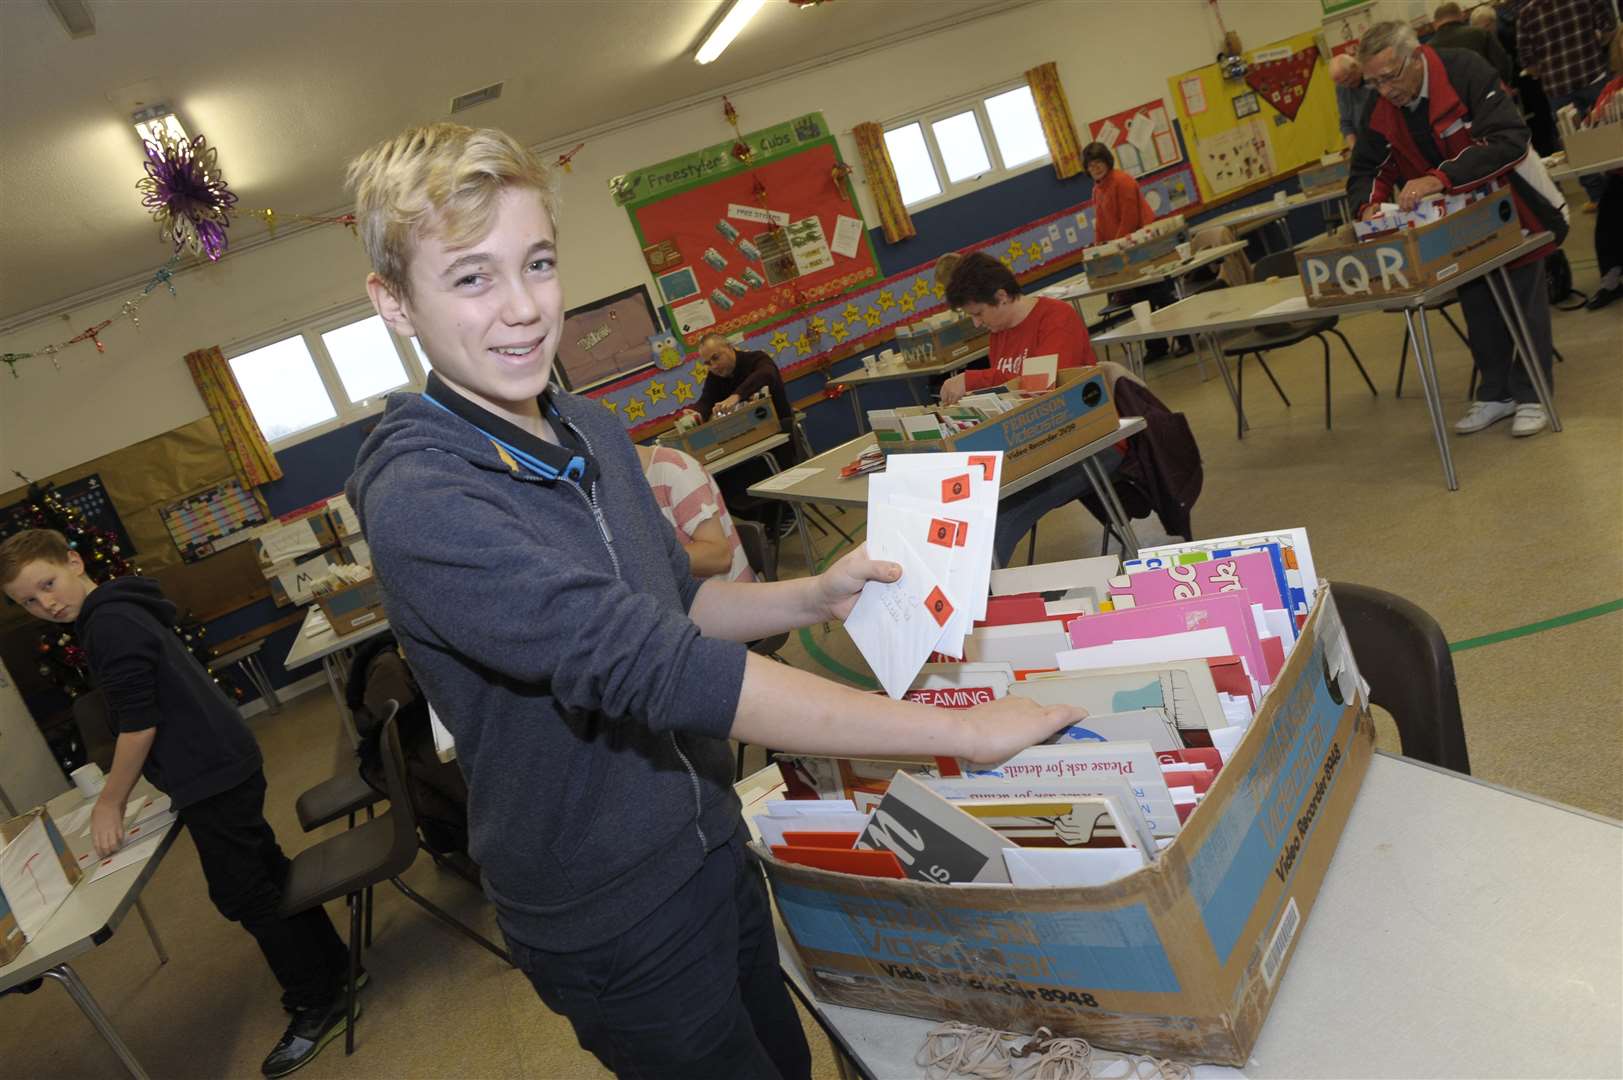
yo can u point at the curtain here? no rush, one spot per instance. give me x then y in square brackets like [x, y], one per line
[245, 445]
[887, 194]
[1055, 113]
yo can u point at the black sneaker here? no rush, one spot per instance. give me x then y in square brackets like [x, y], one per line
[308, 1033]
[361, 981]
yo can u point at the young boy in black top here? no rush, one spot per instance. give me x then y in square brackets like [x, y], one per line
[175, 726]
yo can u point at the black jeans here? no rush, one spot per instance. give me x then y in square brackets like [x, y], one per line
[246, 872]
[693, 991]
[1609, 225]
[1501, 376]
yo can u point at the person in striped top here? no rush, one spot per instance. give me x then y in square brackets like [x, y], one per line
[691, 502]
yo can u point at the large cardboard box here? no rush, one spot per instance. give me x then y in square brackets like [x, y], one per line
[748, 424]
[1339, 269]
[37, 872]
[1127, 266]
[1076, 412]
[1587, 146]
[1318, 179]
[1180, 959]
[353, 607]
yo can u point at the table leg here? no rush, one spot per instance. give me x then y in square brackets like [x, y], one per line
[800, 522]
[152, 932]
[80, 993]
[1524, 339]
[266, 690]
[1241, 424]
[856, 407]
[912, 388]
[1112, 505]
[1424, 362]
[332, 667]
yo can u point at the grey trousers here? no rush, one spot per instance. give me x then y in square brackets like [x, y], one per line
[1500, 377]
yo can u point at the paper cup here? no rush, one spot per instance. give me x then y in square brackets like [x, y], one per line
[1280, 197]
[89, 779]
[1141, 314]
[1185, 250]
[869, 364]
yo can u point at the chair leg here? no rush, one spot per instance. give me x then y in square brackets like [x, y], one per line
[1454, 326]
[354, 971]
[738, 772]
[1403, 362]
[1348, 346]
[1031, 549]
[449, 920]
[1558, 357]
[1268, 372]
[1324, 343]
[366, 934]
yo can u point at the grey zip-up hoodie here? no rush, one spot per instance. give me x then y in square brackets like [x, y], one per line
[547, 624]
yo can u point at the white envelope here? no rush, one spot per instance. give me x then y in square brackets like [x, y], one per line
[1082, 866]
[895, 625]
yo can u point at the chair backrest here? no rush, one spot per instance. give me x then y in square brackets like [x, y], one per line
[403, 852]
[96, 732]
[1404, 657]
[1281, 264]
[762, 556]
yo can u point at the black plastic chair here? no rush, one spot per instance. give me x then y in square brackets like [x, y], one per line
[1271, 336]
[355, 860]
[763, 559]
[1403, 655]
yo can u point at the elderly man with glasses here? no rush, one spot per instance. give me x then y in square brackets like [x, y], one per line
[1445, 124]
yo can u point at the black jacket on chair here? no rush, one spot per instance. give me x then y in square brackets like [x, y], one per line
[1161, 471]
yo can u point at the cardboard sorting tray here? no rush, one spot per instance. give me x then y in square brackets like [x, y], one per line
[1589, 146]
[1127, 266]
[1318, 179]
[927, 344]
[1180, 959]
[1076, 412]
[352, 607]
[751, 422]
[37, 872]
[1339, 269]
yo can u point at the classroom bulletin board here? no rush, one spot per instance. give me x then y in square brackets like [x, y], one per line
[1141, 138]
[733, 246]
[1278, 118]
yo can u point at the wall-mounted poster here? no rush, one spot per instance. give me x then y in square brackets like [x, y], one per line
[606, 339]
[734, 245]
[1141, 138]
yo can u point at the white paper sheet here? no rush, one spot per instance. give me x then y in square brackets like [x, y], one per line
[847, 235]
[1191, 645]
[789, 478]
[1295, 305]
[895, 625]
[1082, 866]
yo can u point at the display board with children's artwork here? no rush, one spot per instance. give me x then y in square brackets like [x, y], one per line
[1276, 117]
[735, 244]
[607, 339]
[1141, 138]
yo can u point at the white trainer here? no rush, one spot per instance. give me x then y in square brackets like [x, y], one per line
[1484, 414]
[1530, 420]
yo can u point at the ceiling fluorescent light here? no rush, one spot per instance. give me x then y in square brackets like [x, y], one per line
[722, 36]
[75, 17]
[158, 123]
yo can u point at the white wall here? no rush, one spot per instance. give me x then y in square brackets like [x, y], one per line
[1111, 56]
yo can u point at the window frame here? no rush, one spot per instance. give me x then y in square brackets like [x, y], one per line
[974, 103]
[310, 330]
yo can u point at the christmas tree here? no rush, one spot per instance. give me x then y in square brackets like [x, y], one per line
[61, 658]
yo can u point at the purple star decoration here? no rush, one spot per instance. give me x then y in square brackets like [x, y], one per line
[186, 194]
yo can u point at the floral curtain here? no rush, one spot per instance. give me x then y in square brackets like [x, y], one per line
[244, 443]
[881, 174]
[1055, 113]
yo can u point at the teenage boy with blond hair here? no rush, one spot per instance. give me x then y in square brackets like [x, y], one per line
[177, 727]
[591, 683]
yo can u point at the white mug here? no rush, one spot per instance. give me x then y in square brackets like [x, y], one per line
[1184, 251]
[1141, 313]
[89, 779]
[1280, 197]
[869, 364]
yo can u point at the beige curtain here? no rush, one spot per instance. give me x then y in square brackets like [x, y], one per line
[1055, 113]
[881, 174]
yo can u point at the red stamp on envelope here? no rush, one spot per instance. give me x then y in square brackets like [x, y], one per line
[954, 488]
[936, 604]
[941, 532]
[987, 463]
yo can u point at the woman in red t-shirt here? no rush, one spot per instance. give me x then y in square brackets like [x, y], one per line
[1021, 326]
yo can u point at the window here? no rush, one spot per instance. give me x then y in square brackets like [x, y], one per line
[948, 151]
[1017, 128]
[963, 151]
[283, 388]
[331, 373]
[365, 356]
[915, 172]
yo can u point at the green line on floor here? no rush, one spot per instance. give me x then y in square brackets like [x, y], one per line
[815, 651]
[1536, 627]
